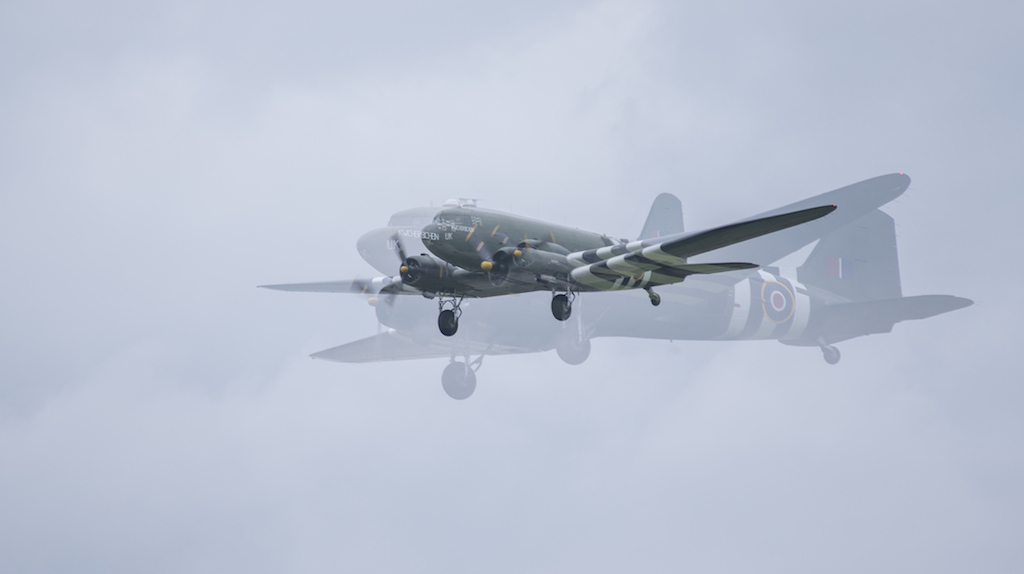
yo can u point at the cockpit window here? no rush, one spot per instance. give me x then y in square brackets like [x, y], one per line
[456, 222]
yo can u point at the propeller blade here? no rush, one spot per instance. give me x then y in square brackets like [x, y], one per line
[399, 248]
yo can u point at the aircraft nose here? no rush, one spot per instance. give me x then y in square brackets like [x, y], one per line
[379, 247]
[431, 234]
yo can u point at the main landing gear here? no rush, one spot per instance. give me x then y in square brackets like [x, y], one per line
[459, 379]
[561, 305]
[448, 319]
[573, 350]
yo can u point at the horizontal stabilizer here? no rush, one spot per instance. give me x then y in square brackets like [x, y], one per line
[869, 317]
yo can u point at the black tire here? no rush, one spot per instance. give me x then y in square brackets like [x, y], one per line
[572, 351]
[447, 323]
[655, 299]
[831, 354]
[561, 308]
[458, 381]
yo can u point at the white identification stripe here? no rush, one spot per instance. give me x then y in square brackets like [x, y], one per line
[767, 327]
[654, 253]
[802, 313]
[740, 310]
[583, 275]
[624, 266]
[644, 280]
[788, 273]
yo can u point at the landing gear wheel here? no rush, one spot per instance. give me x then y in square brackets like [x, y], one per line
[572, 351]
[561, 307]
[655, 298]
[831, 354]
[448, 323]
[458, 380]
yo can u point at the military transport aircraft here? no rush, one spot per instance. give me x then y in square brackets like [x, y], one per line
[849, 285]
[470, 258]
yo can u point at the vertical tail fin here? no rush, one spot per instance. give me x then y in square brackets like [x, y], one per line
[858, 261]
[665, 218]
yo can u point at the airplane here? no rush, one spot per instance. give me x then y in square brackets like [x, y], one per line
[849, 285]
[469, 258]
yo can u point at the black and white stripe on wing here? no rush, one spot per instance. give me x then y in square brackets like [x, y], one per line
[662, 261]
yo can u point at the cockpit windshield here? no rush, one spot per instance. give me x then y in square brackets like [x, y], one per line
[456, 221]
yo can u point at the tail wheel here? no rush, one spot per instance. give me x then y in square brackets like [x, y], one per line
[831, 354]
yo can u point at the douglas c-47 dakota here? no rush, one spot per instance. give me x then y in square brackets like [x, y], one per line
[483, 253]
[848, 286]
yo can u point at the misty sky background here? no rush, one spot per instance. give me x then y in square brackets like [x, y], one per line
[159, 413]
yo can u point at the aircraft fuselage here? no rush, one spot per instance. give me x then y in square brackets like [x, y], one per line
[467, 237]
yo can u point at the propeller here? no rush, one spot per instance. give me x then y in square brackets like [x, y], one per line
[399, 248]
[403, 269]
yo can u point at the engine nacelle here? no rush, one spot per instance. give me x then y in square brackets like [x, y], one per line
[541, 262]
[424, 273]
[501, 263]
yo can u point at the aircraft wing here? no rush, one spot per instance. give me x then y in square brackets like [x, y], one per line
[662, 261]
[857, 200]
[362, 286]
[392, 345]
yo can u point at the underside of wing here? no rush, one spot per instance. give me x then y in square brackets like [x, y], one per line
[394, 346]
[654, 262]
[364, 286]
[638, 273]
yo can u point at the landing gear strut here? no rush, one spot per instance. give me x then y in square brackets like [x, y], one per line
[561, 305]
[655, 298]
[448, 319]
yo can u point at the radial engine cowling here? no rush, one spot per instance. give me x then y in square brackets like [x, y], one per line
[501, 263]
[543, 262]
[424, 273]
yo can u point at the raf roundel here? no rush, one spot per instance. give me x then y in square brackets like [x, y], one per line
[777, 301]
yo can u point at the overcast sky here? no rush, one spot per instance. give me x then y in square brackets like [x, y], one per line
[158, 413]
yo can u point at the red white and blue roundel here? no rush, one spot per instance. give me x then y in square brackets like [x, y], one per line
[777, 301]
